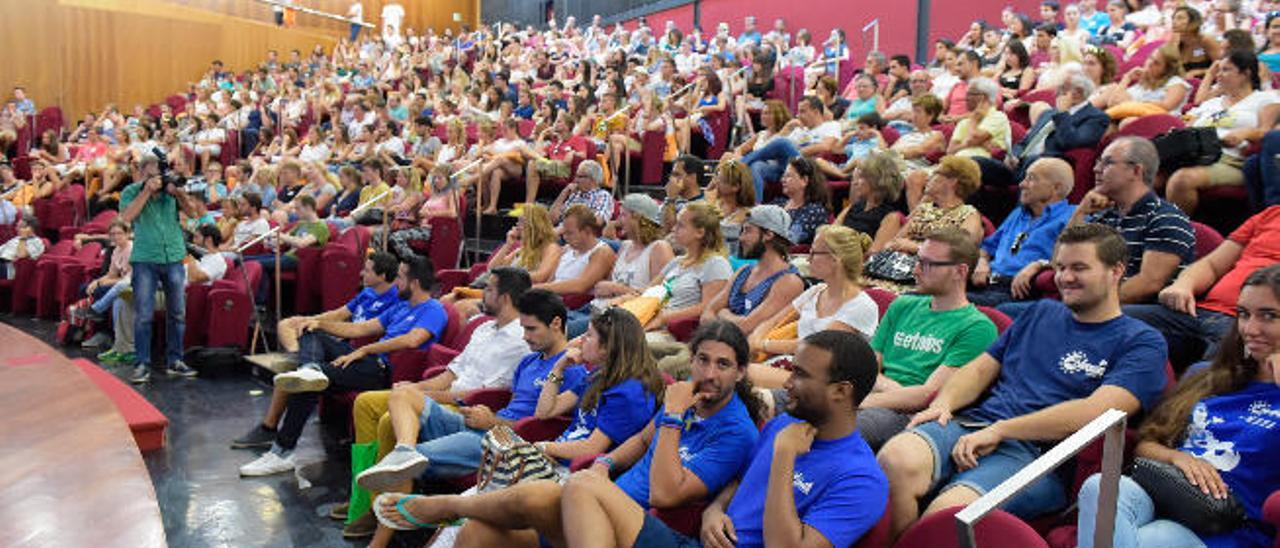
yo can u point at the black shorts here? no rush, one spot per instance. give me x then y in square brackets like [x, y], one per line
[655, 534]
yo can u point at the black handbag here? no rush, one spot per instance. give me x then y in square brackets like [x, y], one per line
[895, 266]
[1188, 147]
[1175, 498]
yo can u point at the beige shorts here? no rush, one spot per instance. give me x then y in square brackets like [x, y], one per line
[553, 169]
[1226, 172]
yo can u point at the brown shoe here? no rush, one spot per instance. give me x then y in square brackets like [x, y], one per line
[363, 526]
[339, 511]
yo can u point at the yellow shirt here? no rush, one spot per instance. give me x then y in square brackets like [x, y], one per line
[369, 192]
[995, 123]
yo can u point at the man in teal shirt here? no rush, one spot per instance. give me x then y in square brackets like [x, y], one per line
[159, 248]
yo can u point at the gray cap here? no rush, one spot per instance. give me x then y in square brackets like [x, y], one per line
[771, 218]
[644, 206]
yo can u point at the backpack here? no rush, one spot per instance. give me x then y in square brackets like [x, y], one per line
[1188, 147]
[214, 361]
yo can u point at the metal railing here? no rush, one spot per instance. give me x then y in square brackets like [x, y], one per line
[874, 27]
[315, 12]
[1110, 424]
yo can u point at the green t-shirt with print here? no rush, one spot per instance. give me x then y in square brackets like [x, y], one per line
[915, 340]
[316, 229]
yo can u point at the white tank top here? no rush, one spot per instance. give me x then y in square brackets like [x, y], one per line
[573, 263]
[634, 273]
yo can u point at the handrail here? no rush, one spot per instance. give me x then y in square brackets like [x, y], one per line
[874, 25]
[316, 12]
[1111, 424]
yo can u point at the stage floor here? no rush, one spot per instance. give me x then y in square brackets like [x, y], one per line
[202, 499]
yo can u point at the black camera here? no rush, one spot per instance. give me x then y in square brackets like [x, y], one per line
[166, 175]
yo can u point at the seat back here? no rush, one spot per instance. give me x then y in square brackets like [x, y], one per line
[880, 535]
[997, 317]
[453, 328]
[1207, 239]
[882, 297]
[998, 529]
[1149, 127]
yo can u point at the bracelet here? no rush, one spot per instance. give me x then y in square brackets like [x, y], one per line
[605, 460]
[552, 377]
[671, 420]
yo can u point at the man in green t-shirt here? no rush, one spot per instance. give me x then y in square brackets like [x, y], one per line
[919, 333]
[308, 231]
[151, 207]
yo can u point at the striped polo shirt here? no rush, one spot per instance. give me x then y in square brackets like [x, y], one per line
[1152, 224]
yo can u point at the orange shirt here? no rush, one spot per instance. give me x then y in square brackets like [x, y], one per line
[1258, 235]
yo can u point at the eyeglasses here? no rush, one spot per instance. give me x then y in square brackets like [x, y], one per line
[1105, 163]
[1017, 243]
[926, 264]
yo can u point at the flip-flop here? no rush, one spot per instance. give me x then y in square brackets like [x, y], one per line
[400, 508]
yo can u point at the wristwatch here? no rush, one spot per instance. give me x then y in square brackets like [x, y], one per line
[553, 377]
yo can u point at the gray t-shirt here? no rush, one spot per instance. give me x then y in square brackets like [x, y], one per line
[685, 284]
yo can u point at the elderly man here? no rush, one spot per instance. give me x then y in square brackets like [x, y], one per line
[586, 190]
[982, 131]
[1072, 123]
[1016, 252]
[1158, 235]
[899, 112]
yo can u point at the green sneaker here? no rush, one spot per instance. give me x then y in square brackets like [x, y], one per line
[110, 356]
[127, 358]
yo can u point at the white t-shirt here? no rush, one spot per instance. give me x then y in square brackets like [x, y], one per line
[686, 283]
[248, 230]
[214, 266]
[356, 12]
[314, 153]
[803, 137]
[1244, 114]
[860, 313]
[490, 358]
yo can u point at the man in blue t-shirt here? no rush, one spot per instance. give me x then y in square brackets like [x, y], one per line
[1057, 368]
[832, 492]
[446, 443]
[687, 453]
[330, 364]
[379, 294]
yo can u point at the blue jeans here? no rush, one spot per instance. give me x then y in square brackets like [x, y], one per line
[578, 320]
[268, 262]
[103, 302]
[1190, 338]
[367, 373]
[172, 279]
[453, 448]
[355, 33]
[768, 163]
[1136, 525]
[1262, 174]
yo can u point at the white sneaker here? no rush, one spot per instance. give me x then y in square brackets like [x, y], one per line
[304, 379]
[269, 463]
[401, 464]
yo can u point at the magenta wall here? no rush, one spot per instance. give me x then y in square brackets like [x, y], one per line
[948, 18]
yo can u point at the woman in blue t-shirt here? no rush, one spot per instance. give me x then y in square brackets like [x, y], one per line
[1219, 427]
[616, 400]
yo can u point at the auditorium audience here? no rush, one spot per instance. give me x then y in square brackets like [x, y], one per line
[759, 290]
[641, 256]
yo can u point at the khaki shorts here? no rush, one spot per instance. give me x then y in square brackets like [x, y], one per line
[1226, 172]
[553, 169]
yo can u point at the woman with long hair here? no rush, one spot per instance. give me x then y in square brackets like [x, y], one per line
[1196, 50]
[735, 194]
[1270, 53]
[530, 245]
[773, 117]
[1218, 427]
[873, 194]
[1158, 81]
[837, 303]
[806, 198]
[694, 278]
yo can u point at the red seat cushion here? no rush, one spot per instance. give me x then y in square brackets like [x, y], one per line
[145, 421]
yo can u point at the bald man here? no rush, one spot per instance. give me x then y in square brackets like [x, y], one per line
[1016, 252]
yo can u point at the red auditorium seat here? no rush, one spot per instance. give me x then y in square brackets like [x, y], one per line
[49, 299]
[49, 118]
[341, 264]
[27, 287]
[997, 530]
[1150, 126]
[66, 208]
[146, 422]
[997, 317]
[882, 297]
[230, 308]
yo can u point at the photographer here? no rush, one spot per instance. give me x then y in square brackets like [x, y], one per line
[151, 206]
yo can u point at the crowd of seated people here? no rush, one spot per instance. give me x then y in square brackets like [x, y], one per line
[762, 292]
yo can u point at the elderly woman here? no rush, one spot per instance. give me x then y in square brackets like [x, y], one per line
[1242, 113]
[586, 190]
[942, 205]
[920, 140]
[866, 100]
[873, 194]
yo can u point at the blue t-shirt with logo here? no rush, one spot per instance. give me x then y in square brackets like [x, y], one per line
[1047, 357]
[1239, 434]
[619, 413]
[715, 449]
[526, 384]
[405, 317]
[368, 304]
[838, 487]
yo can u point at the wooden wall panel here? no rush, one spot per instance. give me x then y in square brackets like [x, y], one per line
[84, 54]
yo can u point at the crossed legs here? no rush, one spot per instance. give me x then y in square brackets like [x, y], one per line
[509, 517]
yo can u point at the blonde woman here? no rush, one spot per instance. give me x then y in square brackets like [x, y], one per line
[837, 303]
[695, 278]
[530, 245]
[1157, 82]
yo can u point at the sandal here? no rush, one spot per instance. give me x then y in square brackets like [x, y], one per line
[400, 508]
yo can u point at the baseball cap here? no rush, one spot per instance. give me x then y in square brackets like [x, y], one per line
[772, 218]
[644, 206]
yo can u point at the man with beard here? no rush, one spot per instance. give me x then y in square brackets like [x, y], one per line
[924, 339]
[691, 449]
[1058, 367]
[810, 481]
[759, 290]
[329, 363]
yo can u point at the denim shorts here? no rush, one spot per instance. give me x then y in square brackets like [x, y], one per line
[438, 421]
[1045, 495]
[656, 534]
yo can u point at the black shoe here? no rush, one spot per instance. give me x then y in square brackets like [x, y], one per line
[258, 437]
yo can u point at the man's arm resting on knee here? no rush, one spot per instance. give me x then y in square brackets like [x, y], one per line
[912, 398]
[348, 330]
[413, 339]
[671, 484]
[1059, 421]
